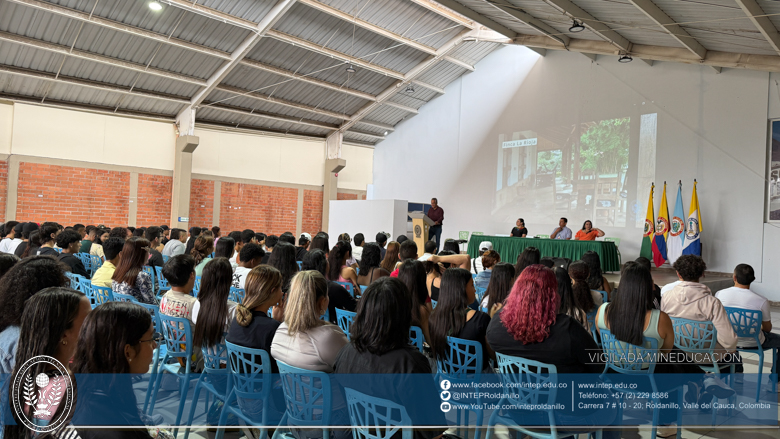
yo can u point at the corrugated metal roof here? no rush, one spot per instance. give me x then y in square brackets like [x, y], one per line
[387, 114]
[473, 52]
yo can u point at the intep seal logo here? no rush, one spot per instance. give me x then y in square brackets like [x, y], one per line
[38, 398]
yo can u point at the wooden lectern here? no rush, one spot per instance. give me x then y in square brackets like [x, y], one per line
[420, 226]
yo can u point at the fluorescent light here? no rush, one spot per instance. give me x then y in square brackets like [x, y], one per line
[155, 6]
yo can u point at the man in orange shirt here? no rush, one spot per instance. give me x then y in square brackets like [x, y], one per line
[588, 233]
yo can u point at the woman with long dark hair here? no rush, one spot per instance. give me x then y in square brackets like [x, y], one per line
[412, 274]
[596, 280]
[338, 270]
[283, 259]
[499, 287]
[529, 256]
[569, 304]
[226, 248]
[50, 326]
[369, 269]
[213, 312]
[587, 299]
[129, 277]
[116, 340]
[392, 257]
[452, 316]
[201, 251]
[33, 245]
[320, 242]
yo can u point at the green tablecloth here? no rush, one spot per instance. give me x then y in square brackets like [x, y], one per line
[509, 248]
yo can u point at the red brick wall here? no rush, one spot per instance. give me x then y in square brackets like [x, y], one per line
[201, 194]
[3, 188]
[154, 200]
[267, 209]
[71, 195]
[312, 212]
[343, 196]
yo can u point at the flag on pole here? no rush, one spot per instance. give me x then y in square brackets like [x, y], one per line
[674, 243]
[693, 227]
[649, 228]
[661, 232]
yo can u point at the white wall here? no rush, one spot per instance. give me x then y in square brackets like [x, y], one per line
[6, 127]
[367, 217]
[360, 167]
[712, 127]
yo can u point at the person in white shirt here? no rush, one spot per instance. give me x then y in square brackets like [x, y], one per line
[669, 287]
[430, 250]
[175, 246]
[740, 296]
[357, 246]
[12, 237]
[251, 256]
[476, 263]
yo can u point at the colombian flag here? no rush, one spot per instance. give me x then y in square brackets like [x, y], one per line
[647, 251]
[661, 232]
[693, 227]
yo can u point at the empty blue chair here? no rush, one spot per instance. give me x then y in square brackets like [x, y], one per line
[747, 324]
[250, 370]
[236, 294]
[344, 320]
[376, 418]
[214, 378]
[307, 399]
[158, 354]
[349, 287]
[463, 364]
[416, 337]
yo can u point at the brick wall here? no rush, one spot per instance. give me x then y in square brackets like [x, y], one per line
[312, 212]
[343, 196]
[201, 203]
[3, 188]
[72, 195]
[154, 200]
[267, 209]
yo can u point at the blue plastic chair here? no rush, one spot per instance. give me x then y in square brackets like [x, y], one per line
[592, 323]
[300, 265]
[236, 294]
[74, 280]
[95, 263]
[363, 288]
[196, 288]
[158, 353]
[433, 303]
[166, 258]
[307, 398]
[416, 337]
[150, 271]
[118, 297]
[480, 294]
[177, 334]
[344, 320]
[747, 324]
[376, 418]
[251, 380]
[604, 296]
[162, 283]
[463, 364]
[97, 295]
[349, 287]
[86, 260]
[213, 376]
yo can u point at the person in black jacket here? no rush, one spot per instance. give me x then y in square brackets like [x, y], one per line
[70, 242]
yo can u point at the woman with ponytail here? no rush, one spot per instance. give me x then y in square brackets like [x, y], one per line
[201, 251]
[587, 299]
[338, 270]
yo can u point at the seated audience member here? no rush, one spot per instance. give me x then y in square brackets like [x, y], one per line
[26, 230]
[33, 245]
[212, 312]
[401, 238]
[596, 280]
[351, 262]
[562, 232]
[569, 304]
[357, 246]
[283, 259]
[529, 256]
[129, 277]
[179, 271]
[251, 256]
[412, 274]
[112, 249]
[225, 248]
[166, 235]
[201, 251]
[408, 251]
[12, 238]
[547, 262]
[338, 296]
[86, 242]
[454, 260]
[119, 232]
[476, 263]
[101, 236]
[588, 232]
[369, 269]
[428, 250]
[118, 340]
[48, 234]
[260, 238]
[216, 232]
[434, 271]
[305, 340]
[391, 256]
[451, 245]
[153, 234]
[25, 279]
[449, 318]
[70, 241]
[287, 237]
[694, 301]
[489, 259]
[139, 232]
[130, 232]
[740, 296]
[6, 263]
[239, 244]
[175, 246]
[303, 246]
[643, 261]
[252, 327]
[499, 287]
[380, 345]
[271, 242]
[519, 231]
[320, 241]
[587, 299]
[338, 269]
[50, 324]
[381, 241]
[194, 233]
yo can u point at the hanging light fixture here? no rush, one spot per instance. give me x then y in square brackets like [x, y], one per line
[409, 89]
[155, 5]
[624, 58]
[576, 26]
[350, 69]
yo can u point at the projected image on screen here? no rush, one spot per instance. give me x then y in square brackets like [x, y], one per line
[581, 172]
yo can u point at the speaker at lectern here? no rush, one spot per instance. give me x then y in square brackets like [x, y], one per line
[420, 225]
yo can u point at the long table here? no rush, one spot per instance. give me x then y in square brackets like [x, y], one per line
[509, 248]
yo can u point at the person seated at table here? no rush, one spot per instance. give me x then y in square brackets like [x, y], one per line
[519, 231]
[562, 232]
[588, 233]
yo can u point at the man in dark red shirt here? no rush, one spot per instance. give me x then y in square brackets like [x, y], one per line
[436, 214]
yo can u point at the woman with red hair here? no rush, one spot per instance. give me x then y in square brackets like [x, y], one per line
[530, 327]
